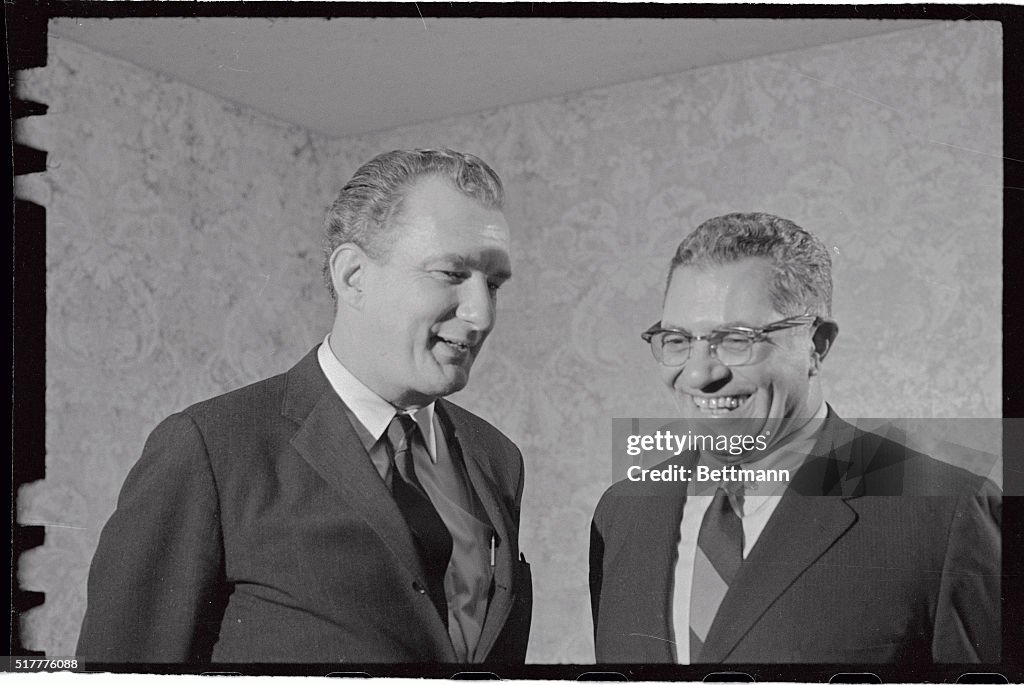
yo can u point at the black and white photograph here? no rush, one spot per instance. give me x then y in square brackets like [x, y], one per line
[470, 338]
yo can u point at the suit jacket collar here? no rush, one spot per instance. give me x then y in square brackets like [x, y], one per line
[811, 516]
[798, 533]
[473, 448]
[839, 462]
[326, 439]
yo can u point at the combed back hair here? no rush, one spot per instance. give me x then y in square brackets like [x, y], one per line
[802, 278]
[364, 208]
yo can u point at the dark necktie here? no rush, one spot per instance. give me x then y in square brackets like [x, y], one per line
[718, 558]
[432, 539]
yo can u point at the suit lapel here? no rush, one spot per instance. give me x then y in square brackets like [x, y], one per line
[474, 453]
[328, 442]
[808, 520]
[799, 532]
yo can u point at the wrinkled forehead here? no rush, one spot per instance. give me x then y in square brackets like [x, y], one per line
[703, 297]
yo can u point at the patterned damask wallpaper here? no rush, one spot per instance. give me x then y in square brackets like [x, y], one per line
[182, 261]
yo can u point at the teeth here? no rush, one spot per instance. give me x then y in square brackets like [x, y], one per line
[726, 402]
[461, 346]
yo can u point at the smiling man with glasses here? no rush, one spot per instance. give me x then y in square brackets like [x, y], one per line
[865, 552]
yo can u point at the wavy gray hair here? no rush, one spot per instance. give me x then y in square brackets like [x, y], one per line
[802, 279]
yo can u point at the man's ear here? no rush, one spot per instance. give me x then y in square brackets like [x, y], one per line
[348, 273]
[824, 334]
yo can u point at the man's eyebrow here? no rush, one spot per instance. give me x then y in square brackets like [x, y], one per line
[455, 260]
[719, 327]
[459, 261]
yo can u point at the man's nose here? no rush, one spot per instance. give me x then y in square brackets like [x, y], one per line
[703, 368]
[476, 303]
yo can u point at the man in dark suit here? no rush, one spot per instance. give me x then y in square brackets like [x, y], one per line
[853, 549]
[341, 511]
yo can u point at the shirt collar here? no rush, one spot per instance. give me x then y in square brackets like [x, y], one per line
[798, 439]
[367, 407]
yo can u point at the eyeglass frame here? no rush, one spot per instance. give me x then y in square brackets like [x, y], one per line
[755, 335]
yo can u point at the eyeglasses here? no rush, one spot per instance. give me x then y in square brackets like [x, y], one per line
[731, 346]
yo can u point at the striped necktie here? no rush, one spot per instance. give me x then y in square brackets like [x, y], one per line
[718, 558]
[430, 535]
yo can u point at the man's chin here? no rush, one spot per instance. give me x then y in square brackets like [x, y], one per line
[719, 431]
[725, 426]
[453, 381]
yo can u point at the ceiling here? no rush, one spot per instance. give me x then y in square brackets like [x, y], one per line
[353, 75]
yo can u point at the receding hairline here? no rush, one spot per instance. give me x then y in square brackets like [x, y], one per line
[708, 263]
[417, 182]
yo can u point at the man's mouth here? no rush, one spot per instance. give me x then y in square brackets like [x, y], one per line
[720, 404]
[456, 345]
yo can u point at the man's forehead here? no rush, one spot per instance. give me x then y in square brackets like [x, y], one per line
[720, 294]
[467, 233]
[464, 243]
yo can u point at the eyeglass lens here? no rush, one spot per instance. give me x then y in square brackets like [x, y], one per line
[728, 348]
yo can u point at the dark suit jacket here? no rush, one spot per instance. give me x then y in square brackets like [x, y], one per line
[255, 529]
[855, 574]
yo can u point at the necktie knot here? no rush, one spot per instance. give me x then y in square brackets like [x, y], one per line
[734, 489]
[402, 433]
